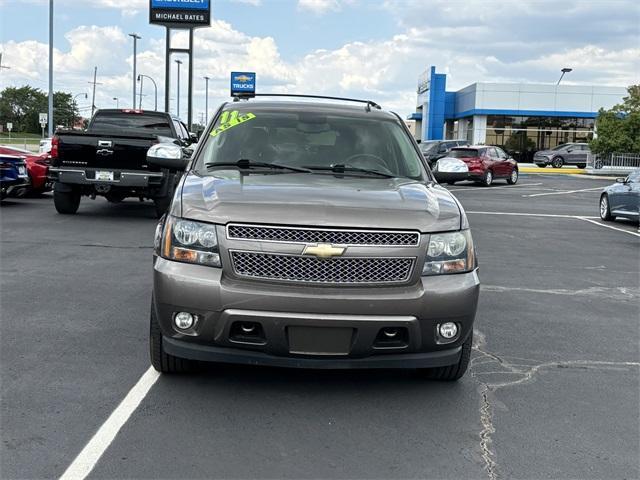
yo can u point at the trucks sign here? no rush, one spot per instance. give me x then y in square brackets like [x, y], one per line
[243, 84]
[180, 13]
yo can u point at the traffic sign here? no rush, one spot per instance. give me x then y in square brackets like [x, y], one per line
[9, 126]
[43, 119]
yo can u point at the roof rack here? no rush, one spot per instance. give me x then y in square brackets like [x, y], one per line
[369, 103]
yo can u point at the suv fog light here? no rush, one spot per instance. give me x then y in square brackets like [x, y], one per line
[448, 330]
[183, 320]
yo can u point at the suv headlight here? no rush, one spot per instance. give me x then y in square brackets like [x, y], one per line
[191, 242]
[449, 253]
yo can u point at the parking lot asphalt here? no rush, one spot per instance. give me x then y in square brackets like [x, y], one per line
[552, 391]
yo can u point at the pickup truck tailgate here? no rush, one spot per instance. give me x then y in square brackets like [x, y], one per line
[104, 151]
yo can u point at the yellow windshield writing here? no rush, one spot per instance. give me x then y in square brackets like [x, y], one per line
[231, 119]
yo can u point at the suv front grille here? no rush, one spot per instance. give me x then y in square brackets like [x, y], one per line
[349, 270]
[311, 235]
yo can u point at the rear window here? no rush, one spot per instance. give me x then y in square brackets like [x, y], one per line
[143, 123]
[464, 153]
[312, 140]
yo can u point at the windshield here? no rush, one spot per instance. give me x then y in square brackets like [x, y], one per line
[463, 153]
[428, 147]
[560, 147]
[311, 140]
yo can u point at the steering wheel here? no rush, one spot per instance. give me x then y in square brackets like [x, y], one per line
[376, 161]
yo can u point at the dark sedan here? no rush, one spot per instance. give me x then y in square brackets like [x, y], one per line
[622, 199]
[14, 179]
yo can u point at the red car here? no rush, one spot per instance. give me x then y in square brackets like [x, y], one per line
[480, 163]
[37, 166]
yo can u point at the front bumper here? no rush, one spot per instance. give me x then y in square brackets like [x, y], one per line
[220, 303]
[542, 161]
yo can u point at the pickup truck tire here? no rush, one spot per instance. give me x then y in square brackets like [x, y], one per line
[450, 372]
[161, 361]
[66, 203]
[162, 205]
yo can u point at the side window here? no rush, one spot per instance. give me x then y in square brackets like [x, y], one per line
[179, 130]
[491, 152]
[501, 154]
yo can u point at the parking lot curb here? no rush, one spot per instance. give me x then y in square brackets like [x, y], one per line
[553, 171]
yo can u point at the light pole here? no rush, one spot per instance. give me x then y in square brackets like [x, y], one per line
[206, 101]
[135, 37]
[155, 86]
[75, 107]
[117, 102]
[564, 70]
[179, 62]
[50, 114]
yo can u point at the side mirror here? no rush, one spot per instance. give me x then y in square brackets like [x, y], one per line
[194, 137]
[621, 180]
[167, 155]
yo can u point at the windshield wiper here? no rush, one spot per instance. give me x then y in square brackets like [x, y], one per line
[245, 164]
[340, 168]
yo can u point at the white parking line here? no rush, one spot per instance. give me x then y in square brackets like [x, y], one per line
[494, 188]
[519, 214]
[563, 192]
[91, 453]
[588, 219]
[551, 215]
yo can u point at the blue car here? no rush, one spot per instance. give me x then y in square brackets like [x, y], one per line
[622, 199]
[14, 178]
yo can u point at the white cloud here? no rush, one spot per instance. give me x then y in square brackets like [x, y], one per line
[255, 3]
[319, 7]
[385, 70]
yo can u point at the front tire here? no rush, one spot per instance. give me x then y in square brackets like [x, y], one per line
[450, 372]
[605, 209]
[513, 178]
[66, 203]
[557, 162]
[162, 204]
[161, 361]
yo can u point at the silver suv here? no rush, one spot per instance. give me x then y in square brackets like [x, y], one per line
[311, 235]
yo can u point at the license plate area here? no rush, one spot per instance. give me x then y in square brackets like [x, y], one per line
[22, 171]
[320, 340]
[103, 176]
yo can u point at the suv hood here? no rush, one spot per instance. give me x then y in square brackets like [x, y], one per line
[317, 200]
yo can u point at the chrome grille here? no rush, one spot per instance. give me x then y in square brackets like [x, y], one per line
[311, 235]
[343, 270]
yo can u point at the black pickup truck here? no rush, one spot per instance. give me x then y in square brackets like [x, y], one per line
[109, 159]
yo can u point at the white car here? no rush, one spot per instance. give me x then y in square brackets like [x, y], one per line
[45, 145]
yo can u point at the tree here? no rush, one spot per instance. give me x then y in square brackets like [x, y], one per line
[22, 107]
[619, 128]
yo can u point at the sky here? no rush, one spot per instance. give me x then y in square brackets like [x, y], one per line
[373, 49]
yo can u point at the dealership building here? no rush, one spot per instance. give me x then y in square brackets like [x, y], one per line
[520, 117]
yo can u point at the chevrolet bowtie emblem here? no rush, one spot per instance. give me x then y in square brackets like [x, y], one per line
[323, 250]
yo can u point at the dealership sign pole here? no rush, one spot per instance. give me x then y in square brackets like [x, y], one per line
[180, 15]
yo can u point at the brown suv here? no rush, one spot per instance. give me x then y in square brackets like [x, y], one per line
[311, 235]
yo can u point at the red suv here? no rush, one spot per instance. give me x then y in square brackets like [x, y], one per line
[480, 163]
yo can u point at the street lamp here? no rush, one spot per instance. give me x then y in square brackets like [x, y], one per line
[75, 107]
[135, 37]
[564, 70]
[155, 86]
[117, 102]
[179, 62]
[206, 101]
